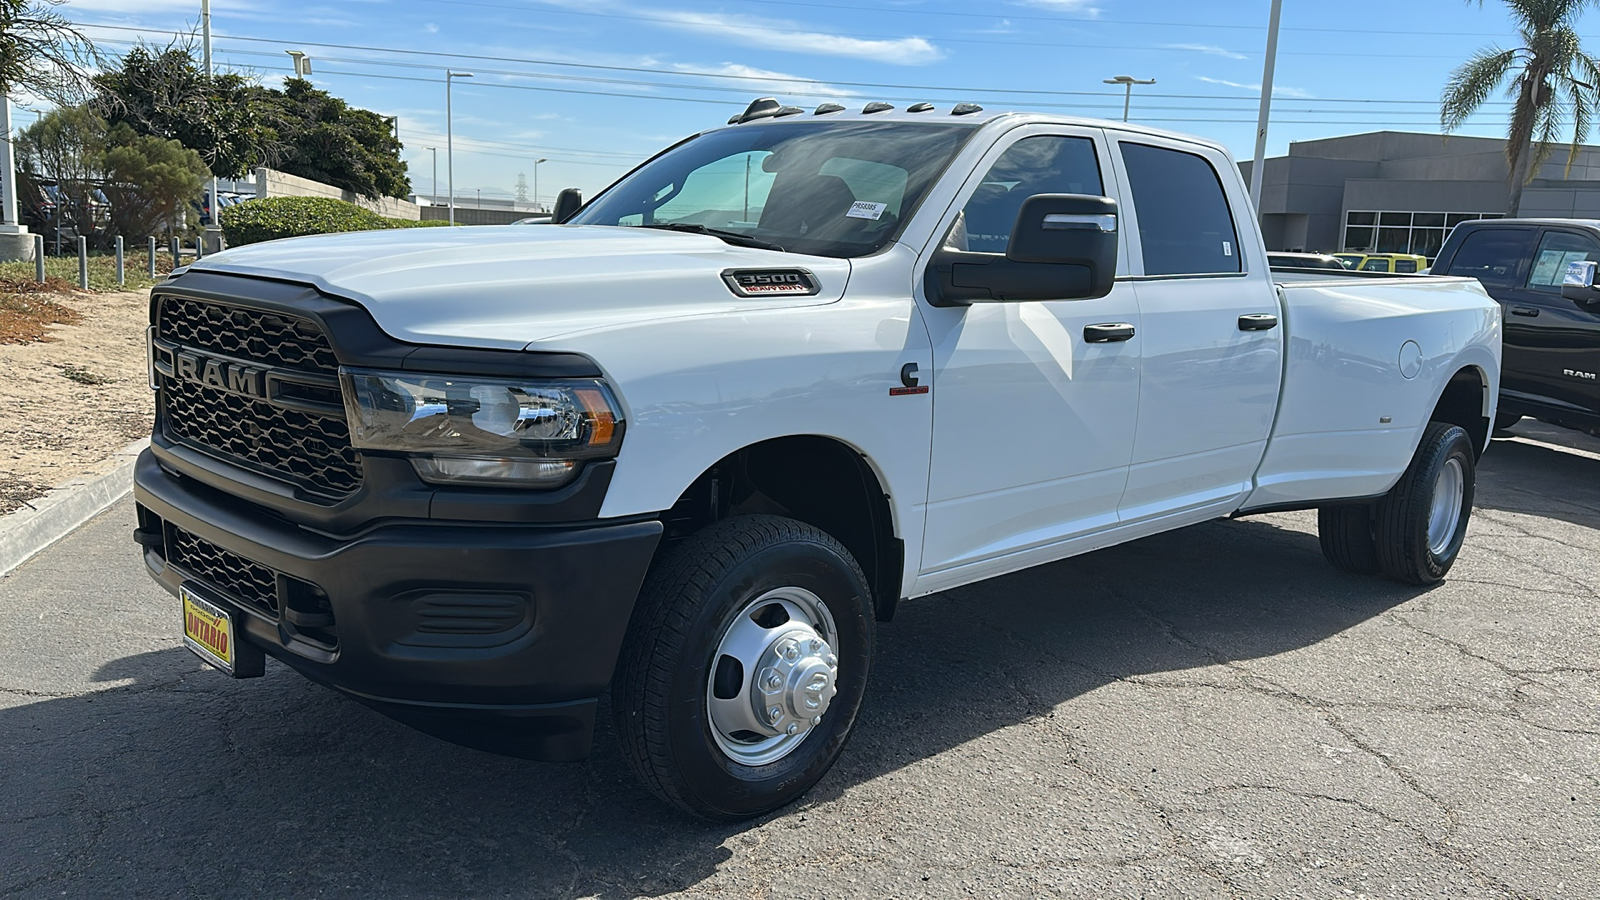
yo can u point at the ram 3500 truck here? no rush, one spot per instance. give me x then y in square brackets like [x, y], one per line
[695, 443]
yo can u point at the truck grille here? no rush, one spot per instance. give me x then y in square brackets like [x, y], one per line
[240, 578]
[302, 447]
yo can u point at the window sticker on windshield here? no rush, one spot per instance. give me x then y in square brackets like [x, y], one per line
[866, 209]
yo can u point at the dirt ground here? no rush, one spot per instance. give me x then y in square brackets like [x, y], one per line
[68, 403]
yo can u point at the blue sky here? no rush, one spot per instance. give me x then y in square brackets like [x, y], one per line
[594, 85]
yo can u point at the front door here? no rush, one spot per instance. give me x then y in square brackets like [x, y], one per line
[1552, 344]
[1212, 350]
[1033, 422]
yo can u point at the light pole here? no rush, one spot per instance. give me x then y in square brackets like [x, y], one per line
[215, 225]
[1266, 106]
[302, 63]
[1127, 81]
[449, 139]
[536, 182]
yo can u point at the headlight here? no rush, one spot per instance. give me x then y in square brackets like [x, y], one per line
[470, 430]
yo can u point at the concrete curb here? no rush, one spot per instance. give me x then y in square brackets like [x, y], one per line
[49, 519]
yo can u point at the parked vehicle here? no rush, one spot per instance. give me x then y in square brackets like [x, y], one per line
[1305, 261]
[696, 444]
[1350, 260]
[1394, 263]
[1552, 334]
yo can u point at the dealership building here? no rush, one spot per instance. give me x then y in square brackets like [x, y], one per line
[1395, 192]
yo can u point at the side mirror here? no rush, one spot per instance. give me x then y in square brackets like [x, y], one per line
[1578, 284]
[567, 204]
[1062, 247]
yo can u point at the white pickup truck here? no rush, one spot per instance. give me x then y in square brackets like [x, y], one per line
[694, 443]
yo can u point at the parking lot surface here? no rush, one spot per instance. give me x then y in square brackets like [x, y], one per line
[1214, 712]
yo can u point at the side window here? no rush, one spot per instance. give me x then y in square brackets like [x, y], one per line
[1558, 250]
[1491, 255]
[1185, 225]
[1033, 165]
[1406, 266]
[1375, 265]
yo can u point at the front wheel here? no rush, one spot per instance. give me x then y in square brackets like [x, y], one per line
[1420, 524]
[745, 666]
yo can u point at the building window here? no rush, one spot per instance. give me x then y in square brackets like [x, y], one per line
[1421, 233]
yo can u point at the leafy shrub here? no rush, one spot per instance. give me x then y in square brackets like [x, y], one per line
[279, 217]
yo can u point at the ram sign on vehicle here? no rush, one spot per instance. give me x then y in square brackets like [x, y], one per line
[693, 445]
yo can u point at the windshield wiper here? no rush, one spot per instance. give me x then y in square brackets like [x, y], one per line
[732, 237]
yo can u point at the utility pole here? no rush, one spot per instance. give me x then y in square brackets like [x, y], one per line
[213, 229]
[1127, 81]
[536, 182]
[449, 139]
[1260, 162]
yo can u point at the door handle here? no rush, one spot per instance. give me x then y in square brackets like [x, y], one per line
[1258, 322]
[1110, 333]
[1530, 311]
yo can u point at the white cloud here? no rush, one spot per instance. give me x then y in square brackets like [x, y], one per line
[1207, 48]
[790, 36]
[431, 28]
[1277, 89]
[765, 81]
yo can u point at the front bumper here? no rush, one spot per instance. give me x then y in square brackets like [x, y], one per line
[497, 636]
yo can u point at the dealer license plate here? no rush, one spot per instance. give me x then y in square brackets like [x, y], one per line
[208, 630]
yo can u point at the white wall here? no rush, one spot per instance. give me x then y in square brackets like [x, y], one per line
[272, 183]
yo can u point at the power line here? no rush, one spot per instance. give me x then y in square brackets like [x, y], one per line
[754, 78]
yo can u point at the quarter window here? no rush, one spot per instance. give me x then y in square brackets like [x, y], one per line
[1043, 164]
[1185, 226]
[1558, 250]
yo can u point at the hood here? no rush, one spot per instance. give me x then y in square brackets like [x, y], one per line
[509, 286]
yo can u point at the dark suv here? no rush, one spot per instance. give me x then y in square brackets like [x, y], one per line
[1551, 369]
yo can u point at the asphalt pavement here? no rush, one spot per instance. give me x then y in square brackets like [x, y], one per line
[1210, 713]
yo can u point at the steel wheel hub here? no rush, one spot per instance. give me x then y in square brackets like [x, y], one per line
[1444, 515]
[774, 674]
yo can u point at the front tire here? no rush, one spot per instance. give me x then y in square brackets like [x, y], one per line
[750, 608]
[1420, 524]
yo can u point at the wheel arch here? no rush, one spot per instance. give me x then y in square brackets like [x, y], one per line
[1468, 400]
[815, 479]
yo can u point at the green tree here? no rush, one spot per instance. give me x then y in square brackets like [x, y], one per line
[40, 51]
[110, 180]
[233, 123]
[147, 180]
[338, 144]
[67, 147]
[1551, 78]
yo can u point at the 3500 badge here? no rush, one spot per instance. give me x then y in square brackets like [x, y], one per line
[767, 282]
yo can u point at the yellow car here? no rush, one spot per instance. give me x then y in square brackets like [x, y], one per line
[1394, 263]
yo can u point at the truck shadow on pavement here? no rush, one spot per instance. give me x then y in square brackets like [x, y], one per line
[177, 781]
[1542, 480]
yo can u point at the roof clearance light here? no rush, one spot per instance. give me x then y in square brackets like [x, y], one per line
[877, 106]
[919, 107]
[965, 109]
[826, 108]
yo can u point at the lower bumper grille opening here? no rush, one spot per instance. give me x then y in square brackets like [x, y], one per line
[309, 614]
[239, 578]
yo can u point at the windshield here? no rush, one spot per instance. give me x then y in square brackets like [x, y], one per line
[823, 188]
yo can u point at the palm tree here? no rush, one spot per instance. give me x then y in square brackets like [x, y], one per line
[1551, 78]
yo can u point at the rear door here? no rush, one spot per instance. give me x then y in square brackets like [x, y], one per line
[1212, 353]
[1551, 343]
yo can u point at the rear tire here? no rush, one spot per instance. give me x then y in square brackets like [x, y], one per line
[1346, 536]
[1421, 523]
[749, 607]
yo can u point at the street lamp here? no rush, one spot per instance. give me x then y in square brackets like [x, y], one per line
[302, 63]
[1127, 81]
[536, 183]
[449, 139]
